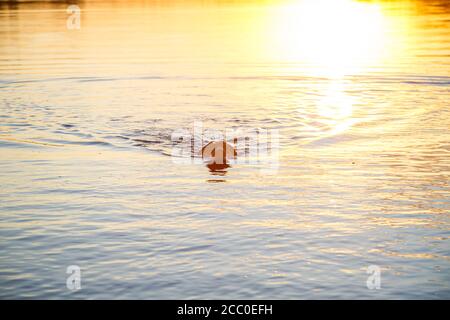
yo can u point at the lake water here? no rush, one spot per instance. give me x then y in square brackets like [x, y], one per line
[358, 92]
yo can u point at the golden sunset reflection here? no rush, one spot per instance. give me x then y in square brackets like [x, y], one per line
[356, 92]
[333, 38]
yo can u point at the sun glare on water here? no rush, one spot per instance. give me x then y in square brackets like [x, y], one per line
[329, 39]
[332, 37]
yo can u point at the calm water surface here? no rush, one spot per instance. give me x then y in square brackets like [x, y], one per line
[359, 92]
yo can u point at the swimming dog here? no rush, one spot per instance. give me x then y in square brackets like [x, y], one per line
[217, 153]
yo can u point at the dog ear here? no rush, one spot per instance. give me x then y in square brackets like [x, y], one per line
[210, 149]
[202, 152]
